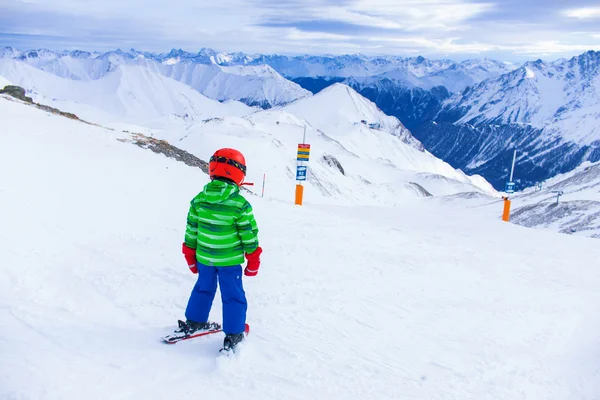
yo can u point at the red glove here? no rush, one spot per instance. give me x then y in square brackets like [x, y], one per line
[190, 257]
[253, 262]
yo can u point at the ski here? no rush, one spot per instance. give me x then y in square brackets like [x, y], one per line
[181, 336]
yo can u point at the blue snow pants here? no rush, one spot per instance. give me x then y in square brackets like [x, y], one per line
[232, 295]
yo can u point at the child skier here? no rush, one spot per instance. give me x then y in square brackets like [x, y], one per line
[220, 231]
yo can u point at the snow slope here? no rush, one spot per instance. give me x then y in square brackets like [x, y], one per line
[577, 210]
[343, 123]
[382, 164]
[418, 301]
[128, 93]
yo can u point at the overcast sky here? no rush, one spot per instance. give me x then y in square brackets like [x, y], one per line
[512, 30]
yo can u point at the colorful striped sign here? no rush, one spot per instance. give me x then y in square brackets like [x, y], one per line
[303, 152]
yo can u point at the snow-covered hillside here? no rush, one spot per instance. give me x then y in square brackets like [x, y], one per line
[568, 203]
[372, 162]
[419, 301]
[128, 93]
[347, 107]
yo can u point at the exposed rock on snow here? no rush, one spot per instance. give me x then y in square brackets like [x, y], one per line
[163, 147]
[333, 162]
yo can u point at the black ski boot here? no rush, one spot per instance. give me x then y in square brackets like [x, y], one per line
[189, 327]
[231, 341]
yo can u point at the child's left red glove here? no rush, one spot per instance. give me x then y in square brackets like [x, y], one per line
[253, 262]
[190, 257]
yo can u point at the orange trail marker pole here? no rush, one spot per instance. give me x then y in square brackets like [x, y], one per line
[506, 212]
[299, 194]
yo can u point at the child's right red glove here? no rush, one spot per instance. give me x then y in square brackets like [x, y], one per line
[253, 262]
[190, 257]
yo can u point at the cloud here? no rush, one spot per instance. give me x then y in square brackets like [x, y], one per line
[584, 13]
[447, 46]
[549, 47]
[424, 14]
[512, 29]
[297, 34]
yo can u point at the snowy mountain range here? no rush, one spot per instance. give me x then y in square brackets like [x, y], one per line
[470, 113]
[548, 112]
[420, 70]
[411, 89]
[184, 66]
[257, 85]
[410, 72]
[360, 154]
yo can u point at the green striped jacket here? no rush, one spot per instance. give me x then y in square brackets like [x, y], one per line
[221, 225]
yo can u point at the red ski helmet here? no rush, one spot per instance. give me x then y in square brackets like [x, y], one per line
[229, 164]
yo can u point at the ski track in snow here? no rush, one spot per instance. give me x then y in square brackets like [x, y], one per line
[420, 301]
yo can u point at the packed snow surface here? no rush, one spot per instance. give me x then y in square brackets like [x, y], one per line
[420, 301]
